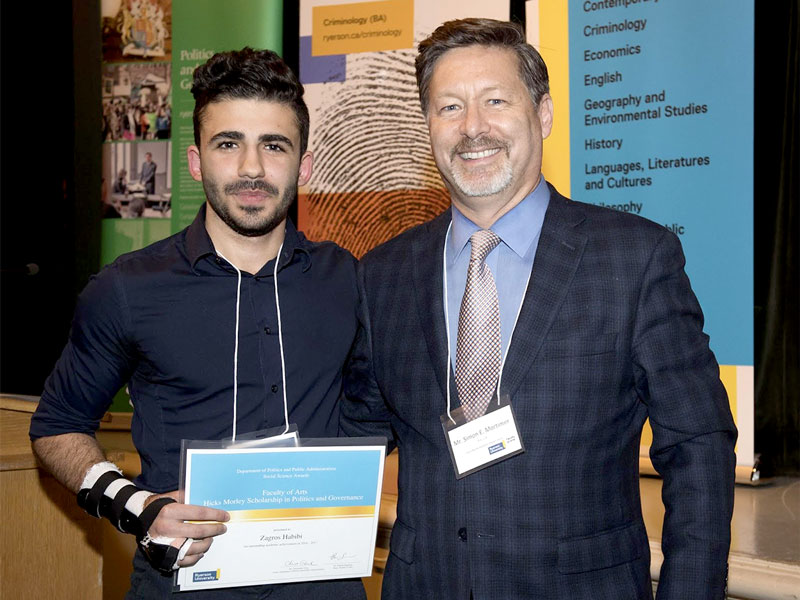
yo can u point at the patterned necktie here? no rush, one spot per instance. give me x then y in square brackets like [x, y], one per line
[478, 345]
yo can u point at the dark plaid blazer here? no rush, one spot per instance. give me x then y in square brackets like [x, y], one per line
[610, 333]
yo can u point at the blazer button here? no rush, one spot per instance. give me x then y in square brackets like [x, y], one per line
[462, 534]
[274, 389]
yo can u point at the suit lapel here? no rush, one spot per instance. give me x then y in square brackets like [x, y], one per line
[426, 252]
[557, 258]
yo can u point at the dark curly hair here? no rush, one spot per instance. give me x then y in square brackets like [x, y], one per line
[461, 33]
[246, 74]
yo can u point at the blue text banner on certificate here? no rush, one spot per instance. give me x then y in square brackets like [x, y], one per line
[297, 514]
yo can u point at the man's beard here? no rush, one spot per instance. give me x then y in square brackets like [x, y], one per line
[487, 183]
[258, 220]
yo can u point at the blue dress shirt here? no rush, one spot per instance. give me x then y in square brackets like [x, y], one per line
[511, 260]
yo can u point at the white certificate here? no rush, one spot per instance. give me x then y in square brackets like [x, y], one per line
[297, 514]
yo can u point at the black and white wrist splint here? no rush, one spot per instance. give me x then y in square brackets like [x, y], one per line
[106, 493]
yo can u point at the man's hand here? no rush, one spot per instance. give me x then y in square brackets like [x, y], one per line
[170, 524]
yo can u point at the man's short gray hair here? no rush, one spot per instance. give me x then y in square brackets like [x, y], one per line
[461, 33]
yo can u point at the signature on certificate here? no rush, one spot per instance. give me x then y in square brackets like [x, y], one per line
[339, 556]
[300, 563]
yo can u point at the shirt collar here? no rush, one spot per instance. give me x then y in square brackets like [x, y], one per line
[199, 244]
[513, 228]
[294, 242]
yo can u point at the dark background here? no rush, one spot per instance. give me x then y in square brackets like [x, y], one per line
[50, 198]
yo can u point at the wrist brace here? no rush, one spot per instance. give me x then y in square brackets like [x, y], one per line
[106, 493]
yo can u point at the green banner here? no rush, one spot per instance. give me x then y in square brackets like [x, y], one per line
[150, 51]
[201, 28]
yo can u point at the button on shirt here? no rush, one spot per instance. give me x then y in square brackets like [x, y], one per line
[162, 320]
[511, 260]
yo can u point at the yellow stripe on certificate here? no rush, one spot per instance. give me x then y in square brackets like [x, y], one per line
[285, 514]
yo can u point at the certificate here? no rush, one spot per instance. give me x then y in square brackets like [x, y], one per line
[297, 513]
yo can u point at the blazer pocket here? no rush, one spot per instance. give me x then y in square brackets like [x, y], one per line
[601, 550]
[580, 346]
[401, 544]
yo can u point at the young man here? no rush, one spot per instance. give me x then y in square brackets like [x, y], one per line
[191, 325]
[581, 317]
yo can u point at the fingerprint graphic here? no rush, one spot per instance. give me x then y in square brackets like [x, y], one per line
[374, 174]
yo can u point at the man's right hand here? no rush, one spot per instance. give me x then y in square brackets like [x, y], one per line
[171, 523]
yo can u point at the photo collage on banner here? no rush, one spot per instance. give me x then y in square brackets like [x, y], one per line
[374, 175]
[654, 116]
[136, 84]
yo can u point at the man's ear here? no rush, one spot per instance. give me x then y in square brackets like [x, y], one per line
[193, 154]
[545, 110]
[306, 168]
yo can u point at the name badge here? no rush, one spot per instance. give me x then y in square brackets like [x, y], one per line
[482, 442]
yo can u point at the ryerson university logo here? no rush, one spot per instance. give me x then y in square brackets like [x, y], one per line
[206, 576]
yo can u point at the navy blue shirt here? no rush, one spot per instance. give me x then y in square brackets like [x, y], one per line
[162, 320]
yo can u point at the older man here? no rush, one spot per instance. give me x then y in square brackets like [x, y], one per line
[513, 347]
